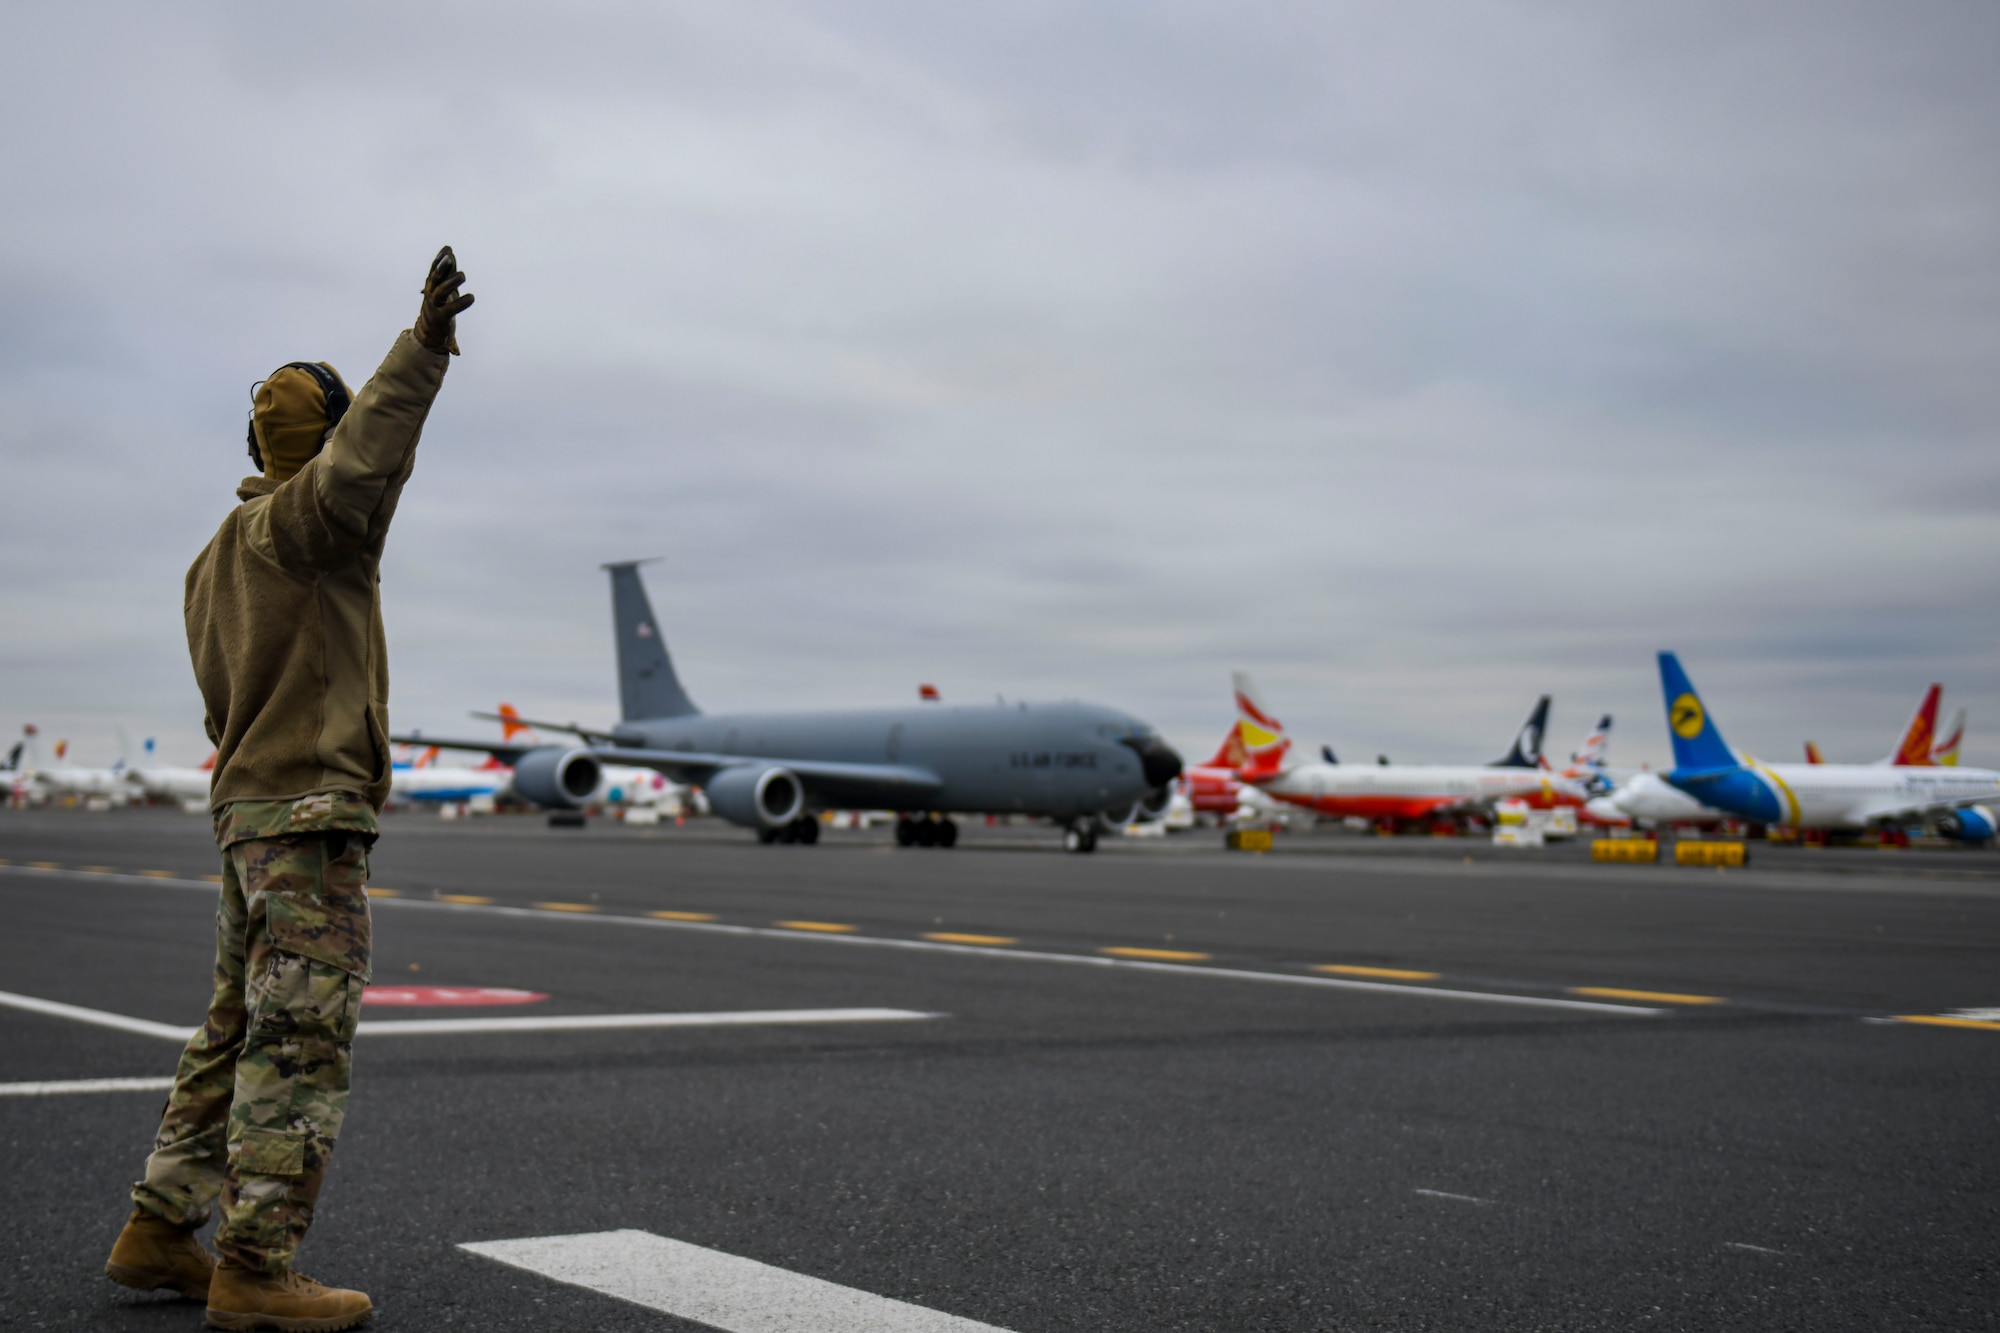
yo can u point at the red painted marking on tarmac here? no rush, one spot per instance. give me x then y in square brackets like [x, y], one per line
[443, 996]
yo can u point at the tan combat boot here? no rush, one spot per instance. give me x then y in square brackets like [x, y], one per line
[152, 1252]
[240, 1298]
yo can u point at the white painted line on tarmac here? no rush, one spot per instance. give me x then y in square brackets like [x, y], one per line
[428, 1027]
[721, 1291]
[1446, 1194]
[1745, 1245]
[76, 1013]
[424, 1027]
[68, 1085]
[977, 950]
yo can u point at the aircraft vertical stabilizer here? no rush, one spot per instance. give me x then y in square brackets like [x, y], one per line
[647, 685]
[1698, 744]
[1922, 731]
[1264, 741]
[1946, 753]
[1527, 751]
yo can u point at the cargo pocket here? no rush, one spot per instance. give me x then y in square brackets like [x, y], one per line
[327, 918]
[271, 1152]
[296, 996]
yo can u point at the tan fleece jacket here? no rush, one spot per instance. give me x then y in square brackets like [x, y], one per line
[284, 605]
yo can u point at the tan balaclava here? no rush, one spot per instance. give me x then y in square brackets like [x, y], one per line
[289, 419]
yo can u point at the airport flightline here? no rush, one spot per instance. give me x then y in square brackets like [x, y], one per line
[1412, 982]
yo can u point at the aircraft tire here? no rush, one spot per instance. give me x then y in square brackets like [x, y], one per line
[1080, 839]
[947, 833]
[906, 833]
[926, 833]
[767, 836]
[807, 830]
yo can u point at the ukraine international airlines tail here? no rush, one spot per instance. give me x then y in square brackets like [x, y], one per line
[1387, 793]
[1817, 796]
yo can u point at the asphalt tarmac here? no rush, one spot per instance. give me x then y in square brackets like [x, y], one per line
[1346, 1085]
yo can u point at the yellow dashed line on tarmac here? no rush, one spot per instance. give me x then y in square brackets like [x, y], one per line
[374, 892]
[1388, 973]
[159, 874]
[682, 916]
[469, 899]
[823, 927]
[1157, 955]
[46, 865]
[1650, 996]
[949, 937]
[213, 879]
[1948, 1021]
[99, 870]
[566, 907]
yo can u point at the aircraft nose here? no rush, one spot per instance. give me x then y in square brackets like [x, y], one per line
[1156, 759]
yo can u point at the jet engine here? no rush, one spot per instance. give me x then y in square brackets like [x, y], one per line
[767, 796]
[557, 779]
[1975, 823]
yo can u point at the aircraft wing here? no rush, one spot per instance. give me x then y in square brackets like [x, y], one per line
[505, 752]
[1892, 808]
[852, 786]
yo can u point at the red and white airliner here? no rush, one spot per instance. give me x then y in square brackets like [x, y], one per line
[1391, 795]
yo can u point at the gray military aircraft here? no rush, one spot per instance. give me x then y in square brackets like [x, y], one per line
[1079, 764]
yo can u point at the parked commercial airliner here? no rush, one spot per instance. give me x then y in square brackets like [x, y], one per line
[1071, 762]
[1390, 794]
[1817, 796]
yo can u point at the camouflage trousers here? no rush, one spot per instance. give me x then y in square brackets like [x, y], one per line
[262, 1087]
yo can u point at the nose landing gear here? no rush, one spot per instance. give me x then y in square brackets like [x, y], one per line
[1080, 839]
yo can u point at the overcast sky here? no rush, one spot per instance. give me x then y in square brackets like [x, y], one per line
[1419, 359]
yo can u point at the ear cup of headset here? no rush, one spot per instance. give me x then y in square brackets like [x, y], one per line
[337, 401]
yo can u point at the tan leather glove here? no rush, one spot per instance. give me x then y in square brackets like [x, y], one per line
[436, 326]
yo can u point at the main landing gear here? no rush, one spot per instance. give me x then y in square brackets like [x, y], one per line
[803, 830]
[1080, 838]
[925, 832]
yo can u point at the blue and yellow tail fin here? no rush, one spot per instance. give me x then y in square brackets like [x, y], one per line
[1698, 745]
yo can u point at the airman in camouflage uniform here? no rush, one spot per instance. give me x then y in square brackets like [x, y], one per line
[284, 619]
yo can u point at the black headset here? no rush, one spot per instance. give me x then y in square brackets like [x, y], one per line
[337, 401]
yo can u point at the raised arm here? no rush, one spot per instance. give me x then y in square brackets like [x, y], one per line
[341, 502]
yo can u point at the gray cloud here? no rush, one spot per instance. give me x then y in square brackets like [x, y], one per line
[1419, 360]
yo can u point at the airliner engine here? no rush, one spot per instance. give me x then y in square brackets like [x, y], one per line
[557, 779]
[1975, 823]
[757, 796]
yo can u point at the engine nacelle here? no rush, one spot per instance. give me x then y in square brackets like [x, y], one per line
[1975, 823]
[757, 795]
[557, 779]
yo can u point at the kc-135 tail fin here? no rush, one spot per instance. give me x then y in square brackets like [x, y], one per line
[647, 685]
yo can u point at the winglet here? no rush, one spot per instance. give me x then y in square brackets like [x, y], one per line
[1698, 744]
